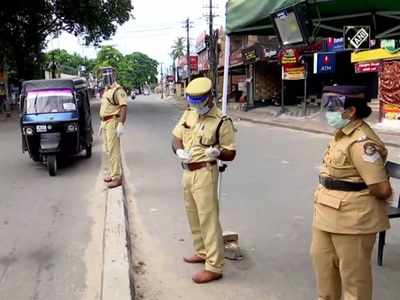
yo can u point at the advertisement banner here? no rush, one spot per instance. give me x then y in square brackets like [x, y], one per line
[293, 73]
[335, 44]
[389, 92]
[201, 42]
[289, 57]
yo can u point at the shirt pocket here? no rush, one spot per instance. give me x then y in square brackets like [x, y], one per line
[186, 132]
[208, 137]
[339, 158]
[332, 199]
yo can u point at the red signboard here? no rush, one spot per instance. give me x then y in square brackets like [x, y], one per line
[194, 63]
[368, 67]
[182, 62]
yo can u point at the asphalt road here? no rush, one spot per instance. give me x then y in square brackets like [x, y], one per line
[267, 198]
[50, 227]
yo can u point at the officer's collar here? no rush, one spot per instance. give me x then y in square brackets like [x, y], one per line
[351, 127]
[213, 112]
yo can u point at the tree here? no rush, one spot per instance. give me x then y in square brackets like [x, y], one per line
[177, 50]
[138, 70]
[66, 61]
[109, 57]
[25, 25]
[133, 70]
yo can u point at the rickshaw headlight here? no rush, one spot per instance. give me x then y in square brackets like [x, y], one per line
[71, 128]
[29, 131]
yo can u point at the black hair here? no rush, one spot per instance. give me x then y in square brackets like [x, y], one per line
[360, 104]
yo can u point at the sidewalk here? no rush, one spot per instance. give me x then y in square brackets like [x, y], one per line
[312, 123]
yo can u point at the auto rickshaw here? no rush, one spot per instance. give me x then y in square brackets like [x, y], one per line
[55, 120]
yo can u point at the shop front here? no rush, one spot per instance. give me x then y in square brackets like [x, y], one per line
[386, 64]
[263, 74]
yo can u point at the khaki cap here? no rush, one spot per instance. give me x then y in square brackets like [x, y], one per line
[199, 86]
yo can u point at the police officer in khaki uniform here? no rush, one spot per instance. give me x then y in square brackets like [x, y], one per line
[113, 111]
[349, 204]
[201, 137]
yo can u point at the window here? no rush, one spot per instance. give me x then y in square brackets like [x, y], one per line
[49, 101]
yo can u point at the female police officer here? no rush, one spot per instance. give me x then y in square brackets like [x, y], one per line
[349, 204]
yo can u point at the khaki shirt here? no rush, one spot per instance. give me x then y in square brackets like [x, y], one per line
[200, 132]
[108, 109]
[355, 154]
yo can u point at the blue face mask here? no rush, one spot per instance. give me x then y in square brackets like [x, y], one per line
[336, 120]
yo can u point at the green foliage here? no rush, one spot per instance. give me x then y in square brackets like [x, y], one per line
[138, 70]
[66, 61]
[109, 57]
[177, 48]
[133, 70]
[25, 25]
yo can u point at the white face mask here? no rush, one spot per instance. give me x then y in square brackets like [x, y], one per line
[202, 110]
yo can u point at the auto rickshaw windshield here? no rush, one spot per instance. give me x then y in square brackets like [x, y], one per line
[49, 101]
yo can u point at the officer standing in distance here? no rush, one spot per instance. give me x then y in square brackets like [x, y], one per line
[201, 137]
[113, 111]
[349, 204]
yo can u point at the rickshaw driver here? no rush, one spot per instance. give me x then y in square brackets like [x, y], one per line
[113, 111]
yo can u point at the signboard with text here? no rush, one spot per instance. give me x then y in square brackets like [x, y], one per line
[335, 44]
[293, 73]
[324, 63]
[368, 67]
[357, 37]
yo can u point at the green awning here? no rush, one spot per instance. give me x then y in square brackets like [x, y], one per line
[252, 16]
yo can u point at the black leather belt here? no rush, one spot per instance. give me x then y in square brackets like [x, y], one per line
[340, 185]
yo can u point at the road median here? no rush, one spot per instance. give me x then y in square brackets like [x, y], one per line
[116, 279]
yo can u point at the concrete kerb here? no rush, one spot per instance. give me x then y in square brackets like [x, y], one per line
[116, 282]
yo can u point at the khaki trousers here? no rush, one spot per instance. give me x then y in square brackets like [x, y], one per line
[202, 208]
[112, 148]
[342, 261]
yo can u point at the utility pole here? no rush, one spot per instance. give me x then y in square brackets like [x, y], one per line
[212, 49]
[53, 66]
[188, 47]
[162, 82]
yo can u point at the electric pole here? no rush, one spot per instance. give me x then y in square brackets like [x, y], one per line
[162, 82]
[188, 48]
[212, 49]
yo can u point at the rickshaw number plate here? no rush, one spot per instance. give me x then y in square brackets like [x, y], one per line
[41, 128]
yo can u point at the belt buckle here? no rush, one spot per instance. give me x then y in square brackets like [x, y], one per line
[185, 166]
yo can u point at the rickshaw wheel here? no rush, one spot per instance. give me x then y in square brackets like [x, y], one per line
[52, 165]
[88, 151]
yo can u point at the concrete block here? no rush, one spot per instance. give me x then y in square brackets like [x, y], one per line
[116, 283]
[230, 236]
[232, 251]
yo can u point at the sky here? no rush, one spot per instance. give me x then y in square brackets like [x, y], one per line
[155, 26]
